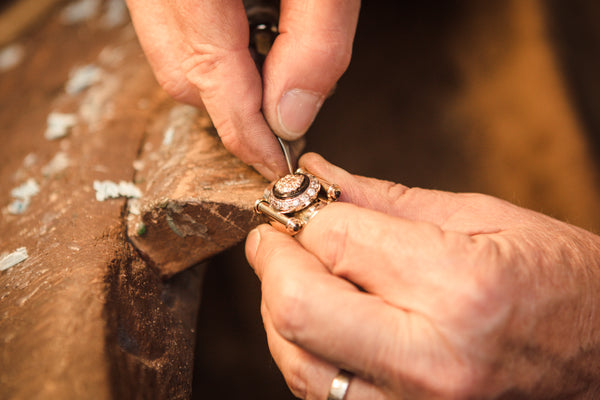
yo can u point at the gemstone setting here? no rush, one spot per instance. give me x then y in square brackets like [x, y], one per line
[290, 185]
[293, 192]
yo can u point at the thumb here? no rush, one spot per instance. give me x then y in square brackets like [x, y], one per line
[310, 54]
[468, 213]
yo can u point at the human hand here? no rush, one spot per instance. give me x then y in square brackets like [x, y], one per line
[199, 52]
[424, 294]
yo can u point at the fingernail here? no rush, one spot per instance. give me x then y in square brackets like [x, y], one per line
[268, 171]
[296, 110]
[252, 242]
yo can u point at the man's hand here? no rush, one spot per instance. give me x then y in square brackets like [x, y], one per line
[424, 294]
[199, 52]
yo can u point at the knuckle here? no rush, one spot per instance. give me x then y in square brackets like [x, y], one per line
[446, 375]
[296, 379]
[414, 195]
[479, 287]
[458, 383]
[337, 242]
[340, 239]
[204, 68]
[336, 54]
[204, 60]
[190, 75]
[230, 138]
[395, 191]
[482, 297]
[175, 86]
[488, 286]
[484, 204]
[325, 51]
[450, 380]
[268, 254]
[288, 314]
[340, 54]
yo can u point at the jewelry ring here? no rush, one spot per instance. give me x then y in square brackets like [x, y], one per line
[339, 385]
[290, 202]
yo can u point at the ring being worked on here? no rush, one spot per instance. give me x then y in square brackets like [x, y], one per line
[291, 201]
[339, 385]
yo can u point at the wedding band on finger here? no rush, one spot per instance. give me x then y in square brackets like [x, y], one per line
[291, 201]
[339, 385]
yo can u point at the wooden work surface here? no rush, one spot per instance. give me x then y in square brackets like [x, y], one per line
[86, 312]
[466, 96]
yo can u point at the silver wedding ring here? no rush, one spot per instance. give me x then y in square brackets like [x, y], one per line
[339, 385]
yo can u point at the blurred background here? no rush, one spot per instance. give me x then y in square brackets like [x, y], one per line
[498, 97]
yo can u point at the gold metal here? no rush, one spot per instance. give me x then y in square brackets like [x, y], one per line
[293, 200]
[292, 225]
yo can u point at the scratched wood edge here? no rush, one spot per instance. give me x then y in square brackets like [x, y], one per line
[197, 198]
[84, 315]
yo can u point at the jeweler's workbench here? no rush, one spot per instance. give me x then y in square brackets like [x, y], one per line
[111, 192]
[95, 158]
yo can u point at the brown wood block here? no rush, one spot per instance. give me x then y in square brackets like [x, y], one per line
[197, 199]
[85, 315]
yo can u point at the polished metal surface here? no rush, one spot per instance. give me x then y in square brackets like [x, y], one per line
[285, 146]
[293, 200]
[339, 385]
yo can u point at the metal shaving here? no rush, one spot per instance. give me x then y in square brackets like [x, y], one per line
[79, 11]
[10, 260]
[82, 77]
[111, 190]
[11, 56]
[115, 15]
[58, 164]
[59, 125]
[23, 195]
[26, 190]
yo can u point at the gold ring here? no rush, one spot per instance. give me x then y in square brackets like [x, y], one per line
[291, 201]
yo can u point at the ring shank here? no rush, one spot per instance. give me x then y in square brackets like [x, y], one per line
[339, 385]
[309, 212]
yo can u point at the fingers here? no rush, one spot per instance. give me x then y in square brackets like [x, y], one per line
[311, 307]
[333, 321]
[160, 33]
[308, 376]
[396, 259]
[310, 54]
[467, 213]
[199, 53]
[414, 265]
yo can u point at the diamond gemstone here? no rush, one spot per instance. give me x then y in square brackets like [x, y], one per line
[296, 202]
[289, 183]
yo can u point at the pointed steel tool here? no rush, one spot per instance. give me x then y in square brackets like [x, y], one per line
[285, 146]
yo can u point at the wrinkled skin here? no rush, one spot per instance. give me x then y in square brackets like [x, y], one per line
[425, 294]
[198, 50]
[461, 295]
